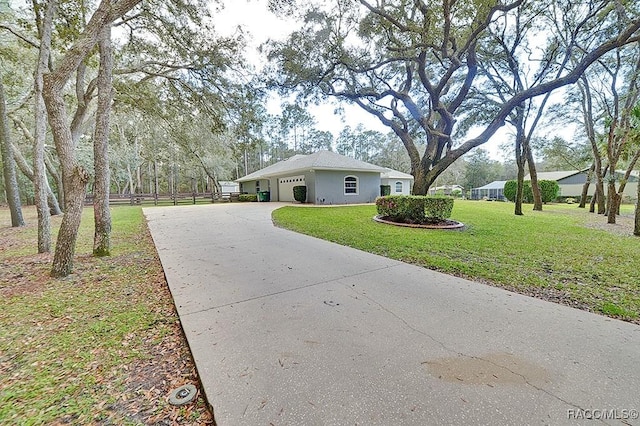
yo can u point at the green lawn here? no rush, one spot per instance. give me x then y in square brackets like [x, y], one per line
[556, 254]
[101, 346]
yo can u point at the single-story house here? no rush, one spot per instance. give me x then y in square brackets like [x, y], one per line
[572, 181]
[491, 191]
[400, 183]
[330, 178]
[446, 190]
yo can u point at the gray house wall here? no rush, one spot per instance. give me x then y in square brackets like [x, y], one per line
[328, 187]
[406, 185]
[310, 182]
[248, 187]
[273, 189]
[571, 186]
[577, 179]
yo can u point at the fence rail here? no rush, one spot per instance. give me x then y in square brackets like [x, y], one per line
[168, 199]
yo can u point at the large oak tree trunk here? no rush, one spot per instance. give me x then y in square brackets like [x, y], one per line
[39, 170]
[9, 165]
[75, 186]
[520, 149]
[587, 112]
[519, 190]
[625, 179]
[420, 185]
[535, 187]
[601, 200]
[585, 187]
[420, 171]
[74, 177]
[613, 201]
[102, 216]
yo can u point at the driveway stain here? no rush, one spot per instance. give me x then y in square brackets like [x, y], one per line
[492, 370]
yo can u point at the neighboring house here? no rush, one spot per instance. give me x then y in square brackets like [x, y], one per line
[446, 190]
[400, 183]
[330, 178]
[491, 191]
[572, 181]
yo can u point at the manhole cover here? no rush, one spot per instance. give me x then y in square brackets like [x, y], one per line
[183, 395]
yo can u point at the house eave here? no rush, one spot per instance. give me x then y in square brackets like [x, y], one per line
[250, 178]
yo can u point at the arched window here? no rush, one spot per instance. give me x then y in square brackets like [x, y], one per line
[398, 186]
[350, 185]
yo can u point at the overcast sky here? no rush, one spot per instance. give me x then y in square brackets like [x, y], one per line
[262, 25]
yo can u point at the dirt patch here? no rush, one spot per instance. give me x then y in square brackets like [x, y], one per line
[623, 226]
[24, 275]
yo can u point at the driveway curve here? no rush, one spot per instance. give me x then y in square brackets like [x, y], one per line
[287, 329]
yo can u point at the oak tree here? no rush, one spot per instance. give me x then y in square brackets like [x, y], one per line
[413, 65]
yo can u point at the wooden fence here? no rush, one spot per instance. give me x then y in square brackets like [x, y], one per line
[169, 199]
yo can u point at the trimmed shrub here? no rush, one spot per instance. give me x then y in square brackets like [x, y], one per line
[300, 193]
[549, 190]
[414, 208]
[247, 197]
[511, 187]
[438, 207]
[510, 190]
[401, 208]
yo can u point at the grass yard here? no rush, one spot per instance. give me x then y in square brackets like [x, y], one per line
[563, 254]
[102, 346]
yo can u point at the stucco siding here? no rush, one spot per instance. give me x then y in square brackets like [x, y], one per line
[406, 186]
[573, 190]
[248, 187]
[273, 189]
[630, 189]
[577, 179]
[310, 180]
[329, 187]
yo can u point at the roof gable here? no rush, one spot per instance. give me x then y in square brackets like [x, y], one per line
[321, 160]
[496, 184]
[558, 175]
[395, 174]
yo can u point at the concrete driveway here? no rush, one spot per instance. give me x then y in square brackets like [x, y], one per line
[287, 329]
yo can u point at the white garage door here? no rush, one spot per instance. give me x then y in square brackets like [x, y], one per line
[285, 186]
